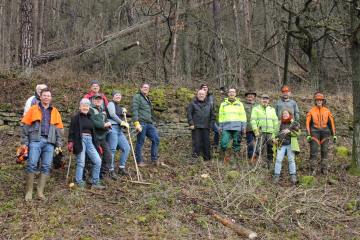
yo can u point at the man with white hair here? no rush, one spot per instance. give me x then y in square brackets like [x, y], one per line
[35, 99]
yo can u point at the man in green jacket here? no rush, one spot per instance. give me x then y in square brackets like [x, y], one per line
[102, 127]
[264, 123]
[232, 123]
[142, 115]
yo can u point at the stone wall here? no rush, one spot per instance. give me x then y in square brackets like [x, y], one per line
[10, 122]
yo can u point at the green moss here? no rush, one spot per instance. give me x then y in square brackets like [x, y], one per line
[342, 151]
[232, 175]
[307, 181]
[6, 206]
[5, 107]
[354, 171]
[184, 94]
[352, 205]
[158, 99]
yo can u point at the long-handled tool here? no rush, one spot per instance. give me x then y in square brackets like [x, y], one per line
[68, 168]
[138, 174]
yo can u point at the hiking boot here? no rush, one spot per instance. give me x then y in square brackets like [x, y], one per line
[113, 175]
[142, 164]
[293, 179]
[98, 186]
[41, 185]
[81, 185]
[276, 179]
[123, 172]
[155, 163]
[29, 186]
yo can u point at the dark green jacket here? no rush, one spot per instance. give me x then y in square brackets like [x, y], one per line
[98, 117]
[142, 109]
[248, 108]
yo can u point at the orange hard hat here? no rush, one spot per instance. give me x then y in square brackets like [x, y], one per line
[319, 96]
[285, 88]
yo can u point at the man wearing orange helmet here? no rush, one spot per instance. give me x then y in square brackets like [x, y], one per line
[320, 125]
[286, 103]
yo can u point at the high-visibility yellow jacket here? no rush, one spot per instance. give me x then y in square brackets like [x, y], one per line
[264, 119]
[232, 115]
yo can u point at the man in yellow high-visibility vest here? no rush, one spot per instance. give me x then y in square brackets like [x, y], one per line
[264, 123]
[232, 123]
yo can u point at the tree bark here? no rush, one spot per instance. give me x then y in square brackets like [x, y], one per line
[186, 60]
[250, 84]
[355, 63]
[239, 61]
[287, 50]
[26, 34]
[41, 26]
[174, 41]
[35, 21]
[219, 59]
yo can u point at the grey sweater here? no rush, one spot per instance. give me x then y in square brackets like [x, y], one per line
[290, 105]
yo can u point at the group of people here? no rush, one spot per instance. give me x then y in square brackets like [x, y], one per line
[262, 126]
[96, 132]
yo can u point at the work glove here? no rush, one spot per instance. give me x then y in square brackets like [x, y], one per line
[101, 151]
[70, 146]
[124, 111]
[58, 150]
[138, 127]
[124, 124]
[275, 141]
[257, 133]
[335, 139]
[308, 138]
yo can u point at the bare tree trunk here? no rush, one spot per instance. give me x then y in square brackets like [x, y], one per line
[355, 62]
[35, 21]
[187, 60]
[2, 32]
[129, 7]
[26, 34]
[219, 60]
[157, 45]
[247, 31]
[238, 59]
[174, 42]
[41, 26]
[200, 47]
[287, 50]
[247, 18]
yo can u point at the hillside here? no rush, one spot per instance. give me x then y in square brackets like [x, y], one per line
[176, 204]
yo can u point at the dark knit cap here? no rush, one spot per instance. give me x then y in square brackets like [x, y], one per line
[94, 81]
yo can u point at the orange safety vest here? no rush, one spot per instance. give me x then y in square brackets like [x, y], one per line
[320, 118]
[34, 114]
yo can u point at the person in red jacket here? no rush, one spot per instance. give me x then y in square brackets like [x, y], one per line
[94, 90]
[320, 126]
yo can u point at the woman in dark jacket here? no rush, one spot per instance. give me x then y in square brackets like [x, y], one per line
[81, 141]
[200, 118]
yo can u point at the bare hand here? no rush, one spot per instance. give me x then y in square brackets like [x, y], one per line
[107, 125]
[191, 127]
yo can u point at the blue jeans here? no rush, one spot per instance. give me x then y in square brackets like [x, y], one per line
[280, 157]
[117, 140]
[40, 149]
[90, 150]
[148, 130]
